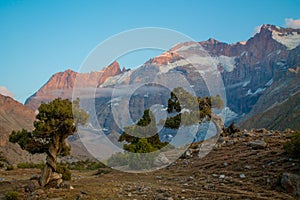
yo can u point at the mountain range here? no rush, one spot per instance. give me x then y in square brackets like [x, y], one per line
[261, 79]
[258, 75]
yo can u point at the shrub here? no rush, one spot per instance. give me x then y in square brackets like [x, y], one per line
[2, 158]
[64, 170]
[30, 165]
[95, 165]
[231, 129]
[103, 171]
[85, 165]
[9, 167]
[292, 147]
[118, 159]
[12, 195]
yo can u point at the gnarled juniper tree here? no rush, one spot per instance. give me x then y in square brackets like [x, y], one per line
[54, 122]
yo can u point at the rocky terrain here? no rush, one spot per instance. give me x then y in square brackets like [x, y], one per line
[245, 165]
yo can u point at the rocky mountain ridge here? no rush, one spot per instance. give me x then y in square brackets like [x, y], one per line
[61, 84]
[257, 74]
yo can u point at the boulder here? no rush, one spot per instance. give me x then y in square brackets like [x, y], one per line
[258, 144]
[161, 160]
[291, 183]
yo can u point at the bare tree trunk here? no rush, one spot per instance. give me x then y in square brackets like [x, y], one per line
[50, 166]
[217, 120]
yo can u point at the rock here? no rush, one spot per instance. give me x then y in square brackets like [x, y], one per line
[268, 134]
[66, 185]
[242, 176]
[221, 140]
[83, 192]
[38, 194]
[33, 185]
[35, 177]
[247, 134]
[222, 176]
[258, 144]
[291, 183]
[262, 130]
[188, 154]
[230, 142]
[161, 160]
[247, 167]
[55, 176]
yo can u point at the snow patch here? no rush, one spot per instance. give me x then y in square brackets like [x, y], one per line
[246, 83]
[5, 92]
[117, 79]
[290, 40]
[185, 110]
[228, 63]
[258, 90]
[229, 114]
[269, 82]
[188, 47]
[244, 53]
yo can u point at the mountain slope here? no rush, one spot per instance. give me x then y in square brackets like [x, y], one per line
[279, 117]
[14, 116]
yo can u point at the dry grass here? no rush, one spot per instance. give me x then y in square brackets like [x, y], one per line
[189, 178]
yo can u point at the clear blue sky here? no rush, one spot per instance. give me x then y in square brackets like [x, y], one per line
[40, 38]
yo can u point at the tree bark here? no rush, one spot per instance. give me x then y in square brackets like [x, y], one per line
[50, 166]
[218, 123]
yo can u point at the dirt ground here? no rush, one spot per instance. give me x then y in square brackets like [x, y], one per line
[233, 170]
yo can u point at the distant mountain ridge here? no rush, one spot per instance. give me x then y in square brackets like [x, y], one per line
[61, 84]
[257, 74]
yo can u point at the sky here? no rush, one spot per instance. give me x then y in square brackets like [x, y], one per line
[40, 38]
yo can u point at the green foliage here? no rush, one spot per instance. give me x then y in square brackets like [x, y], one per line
[292, 147]
[53, 119]
[65, 171]
[141, 161]
[231, 129]
[79, 115]
[188, 109]
[103, 171]
[135, 161]
[118, 159]
[2, 160]
[9, 167]
[85, 165]
[138, 135]
[173, 122]
[2, 157]
[30, 165]
[217, 102]
[12, 195]
[142, 139]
